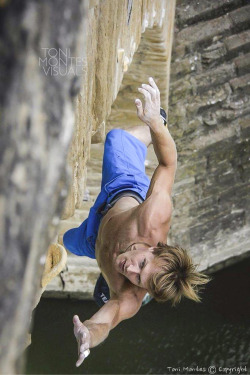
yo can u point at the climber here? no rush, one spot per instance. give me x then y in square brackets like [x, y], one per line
[127, 227]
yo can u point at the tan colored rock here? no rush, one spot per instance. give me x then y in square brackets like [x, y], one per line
[113, 36]
[123, 50]
[99, 135]
[55, 262]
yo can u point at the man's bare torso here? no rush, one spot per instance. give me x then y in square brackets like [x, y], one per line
[122, 226]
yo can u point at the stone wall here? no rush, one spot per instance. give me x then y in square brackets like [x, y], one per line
[209, 116]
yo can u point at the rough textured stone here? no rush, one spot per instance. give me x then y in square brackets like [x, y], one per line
[125, 43]
[201, 32]
[141, 44]
[193, 12]
[242, 64]
[242, 82]
[238, 42]
[37, 113]
[210, 122]
[106, 63]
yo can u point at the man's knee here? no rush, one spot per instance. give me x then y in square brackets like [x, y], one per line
[113, 132]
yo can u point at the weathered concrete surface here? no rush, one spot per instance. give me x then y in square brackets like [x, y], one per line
[37, 113]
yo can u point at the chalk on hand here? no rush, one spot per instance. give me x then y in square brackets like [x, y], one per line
[86, 353]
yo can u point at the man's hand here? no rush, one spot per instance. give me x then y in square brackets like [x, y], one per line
[83, 340]
[96, 329]
[150, 114]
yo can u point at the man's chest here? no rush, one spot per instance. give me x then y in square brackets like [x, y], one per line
[114, 236]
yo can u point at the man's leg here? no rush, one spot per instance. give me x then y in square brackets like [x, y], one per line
[141, 132]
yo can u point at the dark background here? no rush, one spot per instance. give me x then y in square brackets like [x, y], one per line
[215, 332]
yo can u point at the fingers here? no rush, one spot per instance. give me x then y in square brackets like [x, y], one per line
[82, 356]
[151, 91]
[76, 320]
[83, 351]
[77, 324]
[80, 359]
[146, 93]
[81, 342]
[139, 107]
[81, 334]
[154, 85]
[83, 348]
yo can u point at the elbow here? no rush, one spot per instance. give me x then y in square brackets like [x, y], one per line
[170, 163]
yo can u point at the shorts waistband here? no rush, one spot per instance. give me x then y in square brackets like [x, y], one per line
[122, 194]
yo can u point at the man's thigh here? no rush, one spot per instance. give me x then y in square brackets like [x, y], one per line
[123, 154]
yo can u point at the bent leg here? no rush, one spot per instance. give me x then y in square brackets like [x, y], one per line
[141, 132]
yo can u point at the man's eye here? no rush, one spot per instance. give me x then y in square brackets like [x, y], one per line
[138, 279]
[143, 263]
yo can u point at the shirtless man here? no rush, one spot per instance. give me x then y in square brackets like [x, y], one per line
[127, 227]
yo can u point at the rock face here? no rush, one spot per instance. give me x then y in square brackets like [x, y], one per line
[141, 35]
[50, 56]
[209, 119]
[37, 112]
[114, 32]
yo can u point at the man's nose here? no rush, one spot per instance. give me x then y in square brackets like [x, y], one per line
[132, 268]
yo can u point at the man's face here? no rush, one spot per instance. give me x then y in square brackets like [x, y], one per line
[137, 265]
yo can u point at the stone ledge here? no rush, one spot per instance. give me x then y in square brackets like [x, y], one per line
[77, 280]
[242, 82]
[190, 14]
[238, 42]
[205, 31]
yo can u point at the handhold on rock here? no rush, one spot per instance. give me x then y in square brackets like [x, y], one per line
[99, 135]
[55, 262]
[120, 54]
[126, 63]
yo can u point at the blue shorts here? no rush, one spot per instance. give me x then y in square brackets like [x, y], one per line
[123, 169]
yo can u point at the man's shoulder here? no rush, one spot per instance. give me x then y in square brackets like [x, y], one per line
[130, 296]
[156, 210]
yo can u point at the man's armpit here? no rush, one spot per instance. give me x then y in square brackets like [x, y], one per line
[157, 208]
[163, 207]
[162, 180]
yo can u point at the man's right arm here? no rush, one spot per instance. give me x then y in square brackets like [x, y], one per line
[92, 332]
[163, 178]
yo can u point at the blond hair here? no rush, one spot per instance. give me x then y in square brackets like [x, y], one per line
[177, 277]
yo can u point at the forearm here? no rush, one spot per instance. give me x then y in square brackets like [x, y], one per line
[96, 329]
[100, 324]
[164, 145]
[98, 332]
